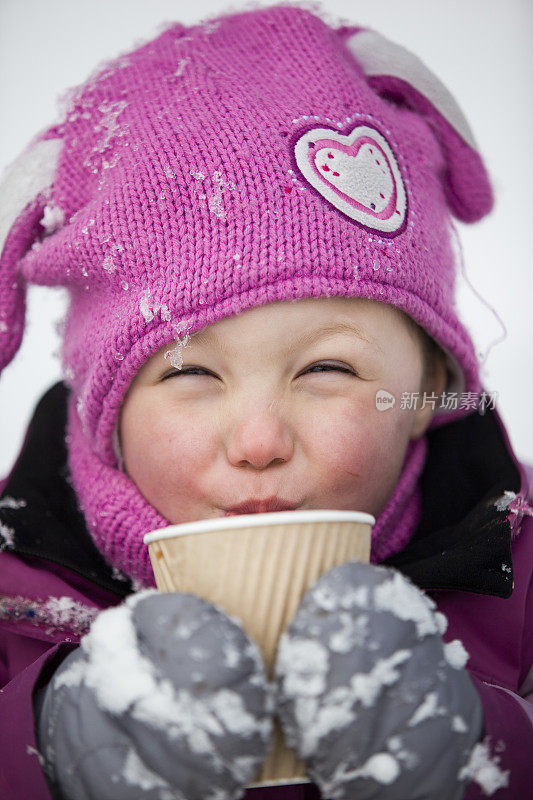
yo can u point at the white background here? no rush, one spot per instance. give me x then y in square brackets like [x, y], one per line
[481, 50]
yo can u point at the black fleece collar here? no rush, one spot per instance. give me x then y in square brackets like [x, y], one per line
[50, 525]
[461, 543]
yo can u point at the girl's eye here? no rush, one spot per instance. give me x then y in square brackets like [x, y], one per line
[324, 366]
[186, 371]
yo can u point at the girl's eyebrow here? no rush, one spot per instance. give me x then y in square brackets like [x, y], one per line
[328, 332]
[306, 339]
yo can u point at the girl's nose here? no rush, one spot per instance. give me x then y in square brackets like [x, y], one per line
[260, 438]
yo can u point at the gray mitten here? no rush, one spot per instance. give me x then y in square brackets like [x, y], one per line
[165, 699]
[368, 693]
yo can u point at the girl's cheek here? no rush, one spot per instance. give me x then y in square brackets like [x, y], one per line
[182, 444]
[341, 438]
[365, 444]
[153, 441]
[166, 459]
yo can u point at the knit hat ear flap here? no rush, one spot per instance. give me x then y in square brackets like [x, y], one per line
[23, 197]
[397, 74]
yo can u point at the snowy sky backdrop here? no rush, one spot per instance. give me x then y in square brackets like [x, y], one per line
[481, 51]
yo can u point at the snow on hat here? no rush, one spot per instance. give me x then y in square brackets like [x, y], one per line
[259, 157]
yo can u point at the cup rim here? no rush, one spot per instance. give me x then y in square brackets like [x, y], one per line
[256, 520]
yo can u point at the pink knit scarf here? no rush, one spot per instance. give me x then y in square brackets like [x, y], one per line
[398, 520]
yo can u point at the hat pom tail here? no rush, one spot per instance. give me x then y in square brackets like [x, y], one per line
[22, 199]
[399, 75]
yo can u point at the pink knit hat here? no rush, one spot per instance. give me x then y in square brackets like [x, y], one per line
[262, 156]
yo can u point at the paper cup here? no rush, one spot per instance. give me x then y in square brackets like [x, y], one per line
[257, 567]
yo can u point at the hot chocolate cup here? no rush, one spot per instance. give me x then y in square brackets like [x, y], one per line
[257, 567]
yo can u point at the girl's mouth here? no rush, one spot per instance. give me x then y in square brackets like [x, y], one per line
[253, 506]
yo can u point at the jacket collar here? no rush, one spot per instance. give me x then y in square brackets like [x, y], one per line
[463, 541]
[50, 524]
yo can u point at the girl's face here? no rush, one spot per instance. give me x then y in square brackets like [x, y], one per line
[276, 408]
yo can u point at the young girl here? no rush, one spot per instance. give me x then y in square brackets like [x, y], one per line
[253, 219]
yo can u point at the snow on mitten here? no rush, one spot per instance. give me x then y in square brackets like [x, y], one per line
[368, 693]
[165, 699]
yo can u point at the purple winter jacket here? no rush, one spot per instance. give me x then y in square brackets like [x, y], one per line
[472, 552]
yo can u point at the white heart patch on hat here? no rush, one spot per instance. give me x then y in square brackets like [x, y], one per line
[357, 173]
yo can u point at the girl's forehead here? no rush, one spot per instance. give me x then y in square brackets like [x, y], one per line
[305, 314]
[285, 328]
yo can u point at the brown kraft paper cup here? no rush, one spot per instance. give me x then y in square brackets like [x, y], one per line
[257, 567]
